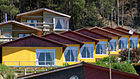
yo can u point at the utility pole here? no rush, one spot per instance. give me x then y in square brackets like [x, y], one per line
[110, 73]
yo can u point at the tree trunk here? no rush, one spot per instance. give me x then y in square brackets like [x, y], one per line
[118, 12]
[122, 12]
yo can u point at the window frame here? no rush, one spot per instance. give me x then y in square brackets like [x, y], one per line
[126, 43]
[74, 57]
[136, 39]
[86, 45]
[35, 25]
[24, 34]
[100, 43]
[45, 51]
[115, 47]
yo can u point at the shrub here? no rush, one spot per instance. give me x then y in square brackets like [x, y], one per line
[134, 55]
[123, 66]
[6, 72]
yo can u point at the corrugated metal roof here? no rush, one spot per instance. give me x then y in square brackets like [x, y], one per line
[61, 38]
[92, 34]
[32, 41]
[104, 32]
[126, 30]
[122, 33]
[78, 36]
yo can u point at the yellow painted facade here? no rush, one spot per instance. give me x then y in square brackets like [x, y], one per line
[26, 56]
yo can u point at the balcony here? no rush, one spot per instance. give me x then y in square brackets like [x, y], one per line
[6, 39]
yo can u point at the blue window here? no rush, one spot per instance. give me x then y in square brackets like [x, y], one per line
[45, 56]
[87, 51]
[133, 42]
[71, 54]
[123, 43]
[112, 45]
[32, 22]
[101, 47]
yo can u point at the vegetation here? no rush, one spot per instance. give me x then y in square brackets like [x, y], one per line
[134, 55]
[6, 72]
[115, 64]
[85, 13]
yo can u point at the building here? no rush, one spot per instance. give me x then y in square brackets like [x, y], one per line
[113, 43]
[81, 71]
[72, 52]
[87, 51]
[45, 19]
[124, 40]
[11, 30]
[134, 39]
[32, 51]
[102, 46]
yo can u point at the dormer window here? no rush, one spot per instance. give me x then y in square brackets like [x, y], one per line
[32, 22]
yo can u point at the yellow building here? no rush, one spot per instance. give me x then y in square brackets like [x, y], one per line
[32, 51]
[70, 54]
[123, 41]
[87, 51]
[134, 38]
[113, 43]
[101, 47]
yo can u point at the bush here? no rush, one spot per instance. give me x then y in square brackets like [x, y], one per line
[6, 72]
[134, 55]
[123, 66]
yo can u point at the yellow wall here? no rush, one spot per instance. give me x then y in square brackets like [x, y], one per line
[24, 54]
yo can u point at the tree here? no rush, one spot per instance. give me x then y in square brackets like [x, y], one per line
[6, 72]
[121, 66]
[7, 7]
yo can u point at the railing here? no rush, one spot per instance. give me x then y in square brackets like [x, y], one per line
[46, 25]
[5, 39]
[29, 67]
[36, 63]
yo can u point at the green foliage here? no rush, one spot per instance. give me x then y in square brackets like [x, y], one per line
[6, 72]
[134, 55]
[7, 6]
[65, 64]
[123, 66]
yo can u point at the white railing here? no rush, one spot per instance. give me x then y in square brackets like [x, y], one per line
[36, 63]
[5, 39]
